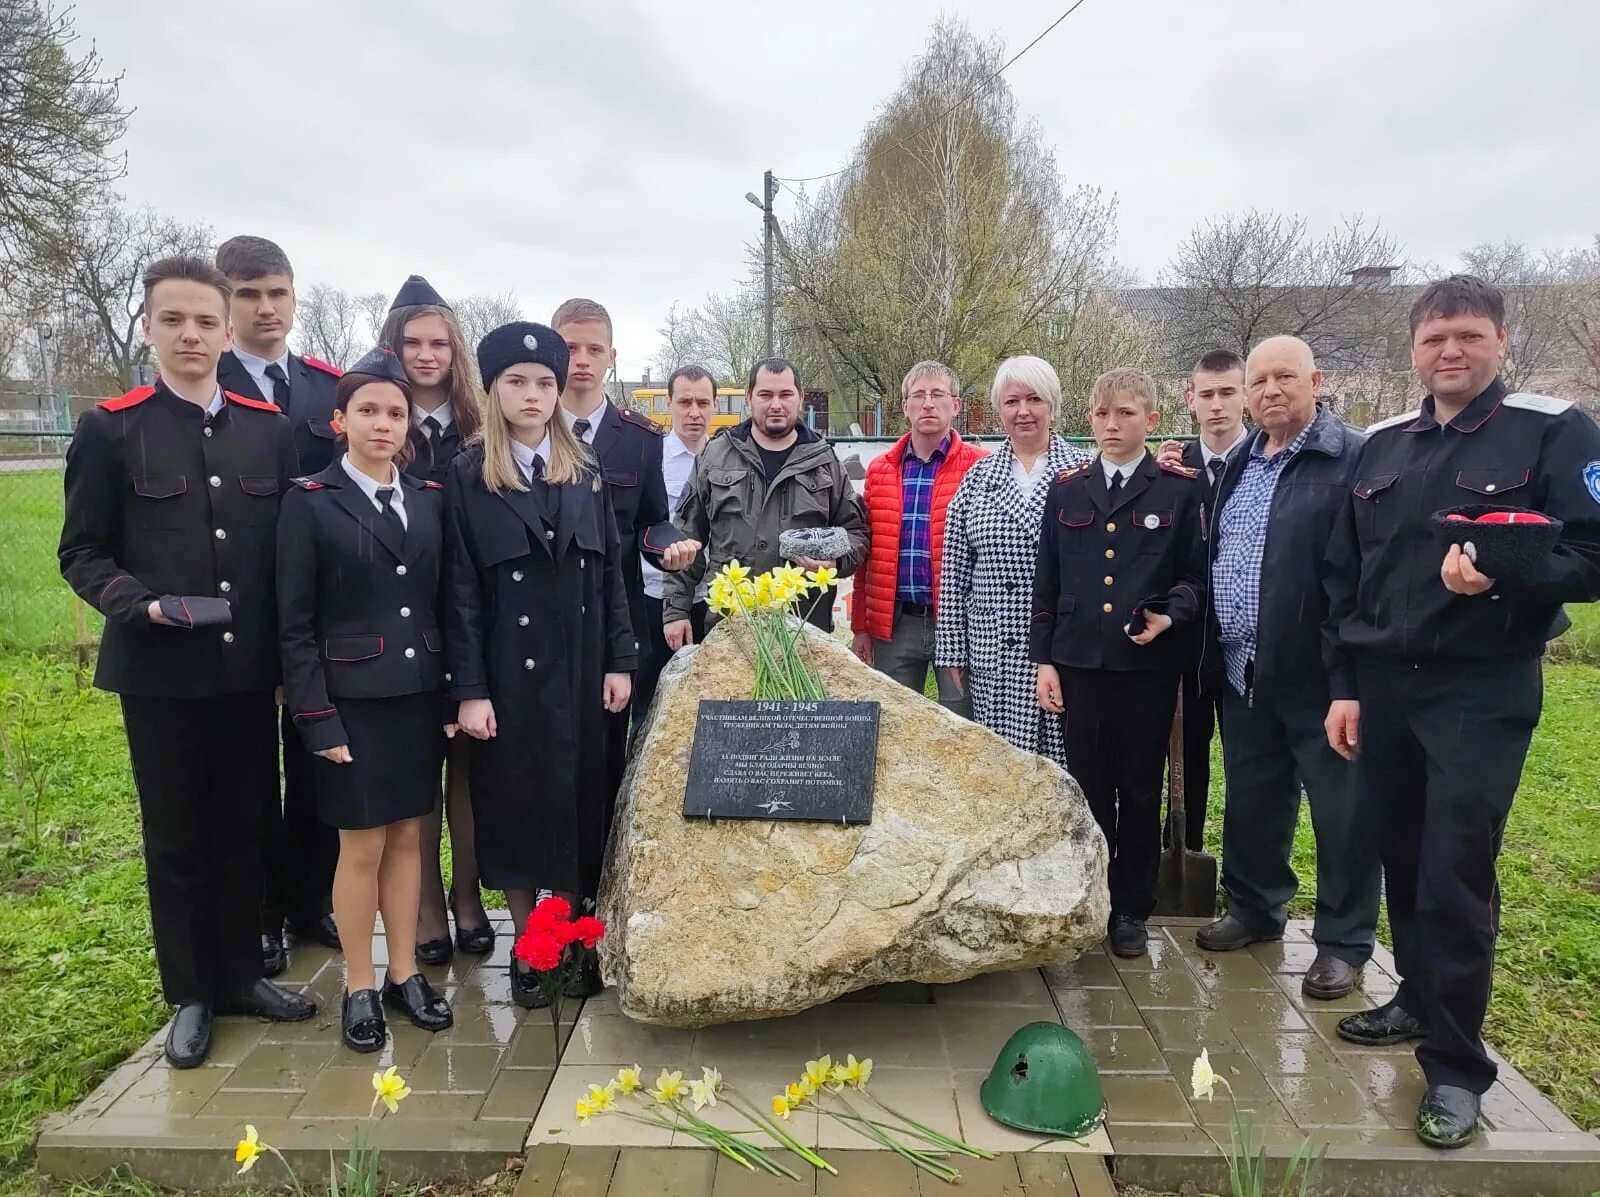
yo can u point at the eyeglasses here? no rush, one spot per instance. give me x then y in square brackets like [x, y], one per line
[924, 396]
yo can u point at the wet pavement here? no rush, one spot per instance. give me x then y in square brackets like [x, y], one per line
[486, 1089]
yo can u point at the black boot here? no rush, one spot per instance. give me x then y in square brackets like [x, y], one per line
[434, 951]
[1448, 1116]
[584, 981]
[525, 988]
[1386, 1025]
[273, 958]
[267, 999]
[189, 1036]
[1229, 934]
[362, 1022]
[1128, 936]
[424, 1007]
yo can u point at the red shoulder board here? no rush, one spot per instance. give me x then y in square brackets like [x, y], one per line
[1074, 472]
[307, 483]
[317, 364]
[430, 484]
[123, 402]
[248, 402]
[1182, 471]
[645, 422]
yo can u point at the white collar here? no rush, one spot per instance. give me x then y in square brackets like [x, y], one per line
[594, 418]
[524, 456]
[442, 415]
[673, 446]
[215, 405]
[369, 487]
[1205, 450]
[258, 365]
[1125, 470]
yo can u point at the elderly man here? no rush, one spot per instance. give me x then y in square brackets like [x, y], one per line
[753, 482]
[1436, 669]
[1275, 512]
[905, 497]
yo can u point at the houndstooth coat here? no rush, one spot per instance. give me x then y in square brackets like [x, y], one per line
[991, 540]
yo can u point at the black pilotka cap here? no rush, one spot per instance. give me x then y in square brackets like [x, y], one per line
[380, 362]
[522, 341]
[417, 292]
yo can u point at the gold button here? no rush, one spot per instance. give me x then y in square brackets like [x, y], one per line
[1110, 553]
[1109, 579]
[1106, 608]
[1111, 527]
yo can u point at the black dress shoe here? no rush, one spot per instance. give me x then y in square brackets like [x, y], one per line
[1386, 1025]
[321, 930]
[189, 1036]
[273, 958]
[584, 981]
[434, 951]
[475, 941]
[525, 988]
[1128, 936]
[362, 1021]
[1229, 934]
[423, 1006]
[1448, 1116]
[1329, 977]
[267, 999]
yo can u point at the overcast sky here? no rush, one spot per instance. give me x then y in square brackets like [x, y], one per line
[604, 148]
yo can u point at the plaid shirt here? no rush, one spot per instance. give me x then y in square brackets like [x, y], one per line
[914, 581]
[1241, 545]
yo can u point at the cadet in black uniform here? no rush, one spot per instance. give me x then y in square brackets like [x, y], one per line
[171, 501]
[300, 850]
[360, 557]
[1117, 588]
[446, 412]
[1435, 670]
[628, 447]
[538, 646]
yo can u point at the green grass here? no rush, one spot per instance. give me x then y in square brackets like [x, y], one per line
[36, 606]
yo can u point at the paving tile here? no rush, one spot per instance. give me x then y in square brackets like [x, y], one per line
[320, 1028]
[1244, 1079]
[1141, 1138]
[1081, 1009]
[1164, 987]
[869, 1174]
[992, 1178]
[925, 1095]
[1285, 956]
[454, 1068]
[1293, 1053]
[541, 1171]
[658, 1170]
[1290, 986]
[232, 1039]
[485, 987]
[755, 1087]
[401, 1048]
[251, 1105]
[1145, 1099]
[618, 1042]
[516, 1093]
[347, 1093]
[890, 1036]
[586, 1171]
[1315, 1101]
[1392, 1084]
[491, 1024]
[974, 1034]
[734, 1180]
[167, 1093]
[1211, 1029]
[1049, 1175]
[306, 960]
[533, 1046]
[786, 1042]
[1124, 1049]
[1019, 987]
[1161, 953]
[1093, 970]
[282, 1065]
[558, 1122]
[1502, 1111]
[1258, 1010]
[1229, 970]
[980, 1130]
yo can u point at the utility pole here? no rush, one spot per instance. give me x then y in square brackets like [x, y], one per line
[769, 189]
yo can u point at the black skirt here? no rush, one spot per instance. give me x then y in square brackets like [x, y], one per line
[397, 750]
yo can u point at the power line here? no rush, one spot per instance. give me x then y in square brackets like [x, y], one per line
[985, 83]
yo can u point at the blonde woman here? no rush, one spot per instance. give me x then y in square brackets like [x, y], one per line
[538, 645]
[991, 538]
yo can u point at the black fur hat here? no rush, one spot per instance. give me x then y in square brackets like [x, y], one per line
[522, 341]
[1509, 544]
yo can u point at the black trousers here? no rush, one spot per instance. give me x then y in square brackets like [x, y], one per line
[1442, 749]
[1116, 731]
[1201, 712]
[655, 654]
[1269, 747]
[204, 768]
[299, 850]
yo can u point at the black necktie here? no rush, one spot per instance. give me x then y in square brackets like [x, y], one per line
[280, 385]
[580, 428]
[1114, 486]
[389, 515]
[431, 429]
[1216, 465]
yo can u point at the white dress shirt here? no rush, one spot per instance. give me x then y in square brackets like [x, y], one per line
[524, 456]
[593, 417]
[256, 367]
[441, 415]
[677, 463]
[1024, 476]
[397, 501]
[1125, 470]
[1207, 456]
[215, 405]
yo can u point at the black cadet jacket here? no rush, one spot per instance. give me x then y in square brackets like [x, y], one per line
[1386, 599]
[1306, 504]
[1098, 560]
[629, 449]
[430, 459]
[357, 604]
[310, 410]
[164, 499]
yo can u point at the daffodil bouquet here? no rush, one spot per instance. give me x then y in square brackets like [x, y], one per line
[768, 607]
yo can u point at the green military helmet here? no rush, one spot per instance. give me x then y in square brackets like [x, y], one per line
[1045, 1080]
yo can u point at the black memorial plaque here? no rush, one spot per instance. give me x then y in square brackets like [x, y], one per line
[812, 761]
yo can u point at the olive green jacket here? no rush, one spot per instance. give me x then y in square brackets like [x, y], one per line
[730, 507]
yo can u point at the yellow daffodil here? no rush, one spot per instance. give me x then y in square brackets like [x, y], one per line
[745, 593]
[391, 1088]
[824, 577]
[781, 1106]
[600, 1098]
[797, 1093]
[712, 1076]
[819, 1071]
[627, 1080]
[249, 1150]
[1202, 1080]
[764, 590]
[669, 1087]
[720, 594]
[856, 1072]
[702, 1094]
[585, 1111]
[791, 576]
[735, 572]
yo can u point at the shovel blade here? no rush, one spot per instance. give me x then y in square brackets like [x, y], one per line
[1186, 885]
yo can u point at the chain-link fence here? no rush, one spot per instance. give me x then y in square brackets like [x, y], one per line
[37, 609]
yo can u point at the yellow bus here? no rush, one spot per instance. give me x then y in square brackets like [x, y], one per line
[730, 409]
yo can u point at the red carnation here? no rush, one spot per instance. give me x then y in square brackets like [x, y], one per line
[563, 933]
[539, 950]
[589, 930]
[550, 910]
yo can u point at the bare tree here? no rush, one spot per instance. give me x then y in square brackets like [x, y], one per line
[679, 340]
[1581, 315]
[953, 237]
[1538, 295]
[479, 315]
[330, 324]
[59, 115]
[1092, 337]
[1246, 276]
[374, 307]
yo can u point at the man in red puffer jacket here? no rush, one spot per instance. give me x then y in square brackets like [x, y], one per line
[907, 492]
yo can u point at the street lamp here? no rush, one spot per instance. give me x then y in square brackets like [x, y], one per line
[770, 188]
